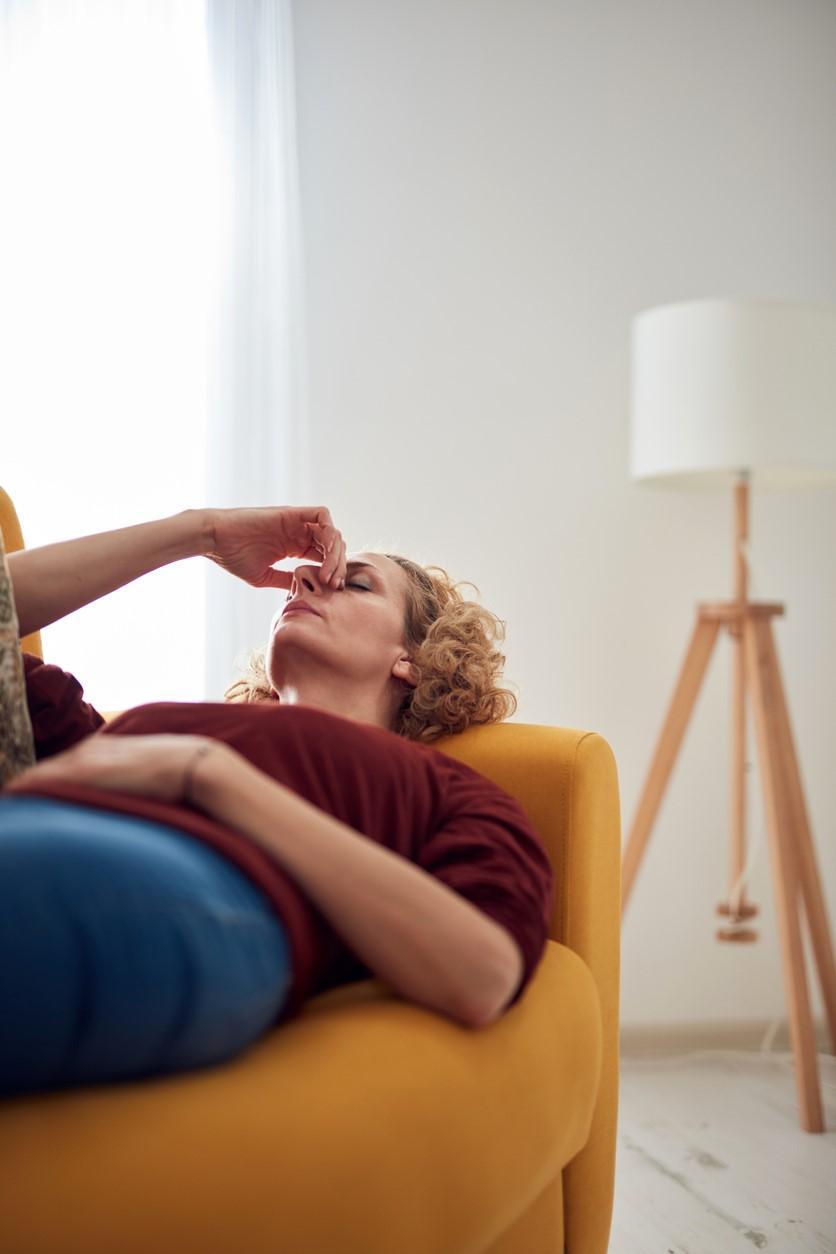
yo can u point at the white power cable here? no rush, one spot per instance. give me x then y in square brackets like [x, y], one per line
[765, 1052]
[745, 550]
[743, 879]
[734, 1055]
[755, 846]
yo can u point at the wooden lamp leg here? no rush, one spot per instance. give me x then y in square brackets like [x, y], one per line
[761, 683]
[813, 898]
[681, 707]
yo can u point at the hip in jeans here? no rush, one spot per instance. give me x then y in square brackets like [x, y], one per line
[127, 950]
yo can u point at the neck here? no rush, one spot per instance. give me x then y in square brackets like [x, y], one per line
[339, 697]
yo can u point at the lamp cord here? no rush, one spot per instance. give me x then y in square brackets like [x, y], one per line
[754, 849]
[755, 846]
[786, 1059]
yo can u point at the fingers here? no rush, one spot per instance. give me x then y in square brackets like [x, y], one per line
[333, 568]
[328, 540]
[309, 533]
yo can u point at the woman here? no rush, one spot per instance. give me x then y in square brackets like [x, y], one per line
[180, 880]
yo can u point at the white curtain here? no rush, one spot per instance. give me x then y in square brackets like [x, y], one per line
[107, 235]
[151, 348]
[258, 451]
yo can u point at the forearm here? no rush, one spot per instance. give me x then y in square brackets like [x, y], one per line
[430, 945]
[56, 579]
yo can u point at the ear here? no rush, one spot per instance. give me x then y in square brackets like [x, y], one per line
[406, 670]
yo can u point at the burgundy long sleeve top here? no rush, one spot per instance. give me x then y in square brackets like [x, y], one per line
[439, 814]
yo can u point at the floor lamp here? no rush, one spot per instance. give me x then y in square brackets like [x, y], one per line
[739, 393]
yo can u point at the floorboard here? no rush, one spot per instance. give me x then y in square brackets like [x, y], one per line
[711, 1158]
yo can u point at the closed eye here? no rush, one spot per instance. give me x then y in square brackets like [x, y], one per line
[359, 585]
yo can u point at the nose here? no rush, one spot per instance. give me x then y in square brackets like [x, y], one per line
[308, 578]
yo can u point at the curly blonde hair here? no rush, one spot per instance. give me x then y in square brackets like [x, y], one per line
[451, 642]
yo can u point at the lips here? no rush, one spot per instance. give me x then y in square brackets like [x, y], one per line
[299, 607]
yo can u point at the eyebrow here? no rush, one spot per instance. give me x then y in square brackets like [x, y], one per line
[364, 566]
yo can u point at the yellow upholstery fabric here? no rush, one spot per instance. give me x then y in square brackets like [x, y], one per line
[369, 1124]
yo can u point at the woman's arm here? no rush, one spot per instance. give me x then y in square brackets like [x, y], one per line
[51, 581]
[429, 944]
[56, 579]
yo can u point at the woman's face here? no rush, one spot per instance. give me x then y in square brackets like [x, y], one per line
[357, 632]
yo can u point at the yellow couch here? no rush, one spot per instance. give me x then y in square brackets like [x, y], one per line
[369, 1124]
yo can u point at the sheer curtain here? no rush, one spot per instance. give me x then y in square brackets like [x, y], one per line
[258, 449]
[106, 229]
[150, 309]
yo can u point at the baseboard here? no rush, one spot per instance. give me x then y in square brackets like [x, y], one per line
[680, 1038]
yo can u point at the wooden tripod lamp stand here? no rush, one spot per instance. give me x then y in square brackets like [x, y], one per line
[728, 392]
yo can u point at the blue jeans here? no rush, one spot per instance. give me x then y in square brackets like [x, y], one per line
[127, 949]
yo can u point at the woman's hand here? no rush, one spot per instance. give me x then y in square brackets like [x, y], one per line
[248, 541]
[151, 766]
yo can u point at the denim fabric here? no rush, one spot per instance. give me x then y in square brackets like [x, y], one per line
[127, 949]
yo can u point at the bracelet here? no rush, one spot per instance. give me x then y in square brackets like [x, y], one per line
[189, 772]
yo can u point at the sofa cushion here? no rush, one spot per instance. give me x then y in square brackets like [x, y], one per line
[429, 1135]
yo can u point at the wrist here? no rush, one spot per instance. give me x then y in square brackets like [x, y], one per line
[199, 530]
[210, 776]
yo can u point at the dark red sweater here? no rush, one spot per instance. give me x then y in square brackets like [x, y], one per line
[432, 810]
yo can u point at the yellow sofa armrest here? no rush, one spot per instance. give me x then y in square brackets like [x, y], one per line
[566, 780]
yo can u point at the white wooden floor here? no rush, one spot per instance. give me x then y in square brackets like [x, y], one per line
[711, 1158]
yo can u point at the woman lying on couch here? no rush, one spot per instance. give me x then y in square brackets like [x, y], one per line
[180, 880]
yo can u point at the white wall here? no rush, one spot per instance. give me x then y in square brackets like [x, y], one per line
[491, 191]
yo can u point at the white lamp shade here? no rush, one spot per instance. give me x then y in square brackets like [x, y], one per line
[725, 386]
